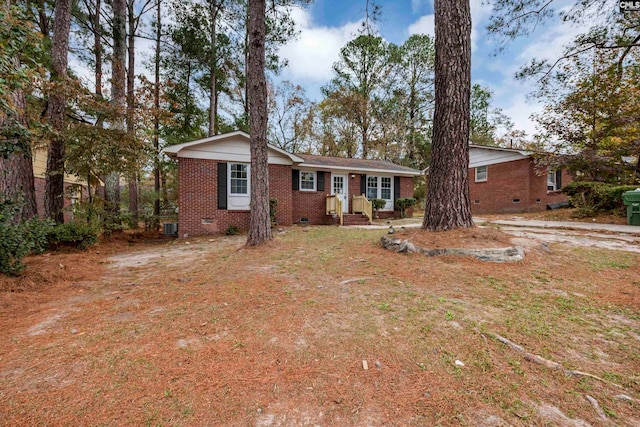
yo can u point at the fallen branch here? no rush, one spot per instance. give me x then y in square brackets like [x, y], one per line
[596, 406]
[357, 279]
[550, 363]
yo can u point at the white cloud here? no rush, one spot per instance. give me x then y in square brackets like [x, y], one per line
[312, 55]
[519, 109]
[550, 44]
[424, 25]
[511, 94]
[479, 12]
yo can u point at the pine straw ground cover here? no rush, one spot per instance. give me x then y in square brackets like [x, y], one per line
[206, 332]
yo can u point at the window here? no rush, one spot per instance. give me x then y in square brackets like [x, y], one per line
[307, 181]
[481, 174]
[239, 182]
[372, 187]
[385, 187]
[381, 187]
[552, 184]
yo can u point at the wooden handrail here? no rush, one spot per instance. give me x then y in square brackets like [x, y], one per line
[334, 206]
[362, 205]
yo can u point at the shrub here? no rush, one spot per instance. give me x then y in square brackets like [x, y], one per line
[73, 234]
[19, 239]
[592, 197]
[405, 203]
[273, 208]
[231, 230]
[378, 204]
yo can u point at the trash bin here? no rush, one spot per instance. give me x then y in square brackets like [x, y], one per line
[631, 200]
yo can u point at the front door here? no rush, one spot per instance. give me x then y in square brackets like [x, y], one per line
[339, 188]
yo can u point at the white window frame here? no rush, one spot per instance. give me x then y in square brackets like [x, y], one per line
[390, 187]
[551, 180]
[313, 180]
[378, 187]
[370, 187]
[479, 173]
[238, 201]
[231, 178]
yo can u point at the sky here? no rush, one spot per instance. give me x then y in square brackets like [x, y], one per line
[327, 25]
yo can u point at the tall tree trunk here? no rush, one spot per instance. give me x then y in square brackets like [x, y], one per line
[260, 224]
[246, 72]
[97, 47]
[214, 8]
[16, 170]
[156, 118]
[118, 80]
[448, 205]
[54, 180]
[132, 177]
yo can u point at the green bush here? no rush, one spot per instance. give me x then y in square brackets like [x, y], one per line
[592, 197]
[38, 231]
[378, 203]
[73, 234]
[19, 239]
[231, 230]
[404, 203]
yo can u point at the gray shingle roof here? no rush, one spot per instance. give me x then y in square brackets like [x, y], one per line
[355, 165]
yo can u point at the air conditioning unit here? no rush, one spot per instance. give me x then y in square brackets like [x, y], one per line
[170, 229]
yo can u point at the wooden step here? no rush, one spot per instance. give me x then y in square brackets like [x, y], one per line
[355, 219]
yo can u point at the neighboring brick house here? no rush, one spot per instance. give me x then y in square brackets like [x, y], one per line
[504, 180]
[214, 181]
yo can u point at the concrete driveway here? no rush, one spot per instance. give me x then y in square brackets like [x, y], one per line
[604, 236]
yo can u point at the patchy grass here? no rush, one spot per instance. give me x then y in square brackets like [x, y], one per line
[213, 333]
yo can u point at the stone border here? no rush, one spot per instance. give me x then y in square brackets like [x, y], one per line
[510, 254]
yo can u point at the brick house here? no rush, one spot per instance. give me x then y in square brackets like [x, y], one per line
[504, 180]
[214, 185]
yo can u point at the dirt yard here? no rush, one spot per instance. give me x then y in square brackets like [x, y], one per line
[321, 327]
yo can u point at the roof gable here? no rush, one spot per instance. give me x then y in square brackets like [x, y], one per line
[480, 155]
[232, 146]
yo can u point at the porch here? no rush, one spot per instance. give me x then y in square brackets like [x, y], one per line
[361, 210]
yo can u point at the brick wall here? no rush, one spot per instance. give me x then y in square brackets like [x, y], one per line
[311, 205]
[512, 187]
[354, 187]
[280, 188]
[198, 198]
[198, 201]
[539, 196]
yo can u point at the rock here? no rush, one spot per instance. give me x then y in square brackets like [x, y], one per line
[510, 254]
[378, 364]
[406, 246]
[74, 331]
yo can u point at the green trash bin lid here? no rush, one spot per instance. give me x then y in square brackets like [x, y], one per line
[631, 196]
